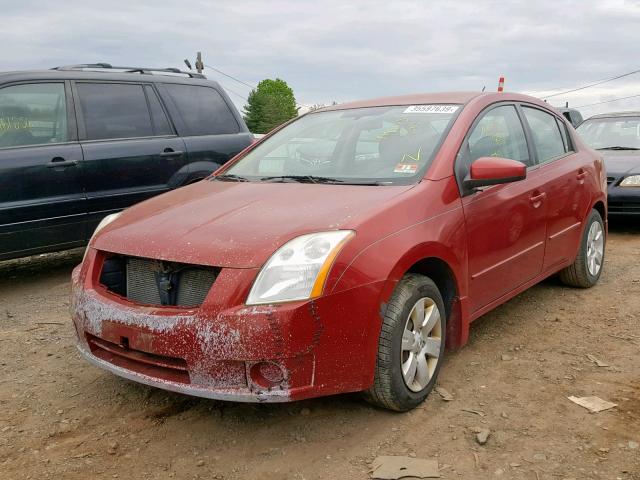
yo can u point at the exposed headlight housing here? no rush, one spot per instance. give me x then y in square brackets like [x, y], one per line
[103, 223]
[632, 181]
[298, 269]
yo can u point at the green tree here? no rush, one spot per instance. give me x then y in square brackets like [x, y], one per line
[271, 104]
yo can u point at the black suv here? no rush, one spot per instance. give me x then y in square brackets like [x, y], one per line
[80, 142]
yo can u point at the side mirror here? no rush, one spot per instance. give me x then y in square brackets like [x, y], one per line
[487, 171]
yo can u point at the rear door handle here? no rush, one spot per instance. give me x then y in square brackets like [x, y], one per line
[61, 162]
[537, 198]
[582, 174]
[170, 152]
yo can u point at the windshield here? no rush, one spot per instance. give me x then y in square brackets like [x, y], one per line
[613, 132]
[377, 145]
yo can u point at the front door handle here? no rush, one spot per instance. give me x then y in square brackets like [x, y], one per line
[536, 198]
[61, 162]
[170, 152]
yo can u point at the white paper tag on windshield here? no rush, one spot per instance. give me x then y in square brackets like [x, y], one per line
[431, 109]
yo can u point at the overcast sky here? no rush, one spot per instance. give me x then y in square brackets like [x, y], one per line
[339, 50]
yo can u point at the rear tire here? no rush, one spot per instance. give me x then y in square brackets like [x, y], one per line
[587, 268]
[411, 345]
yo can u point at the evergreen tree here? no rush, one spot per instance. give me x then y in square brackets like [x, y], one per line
[271, 104]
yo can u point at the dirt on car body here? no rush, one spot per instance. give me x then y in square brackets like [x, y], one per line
[63, 418]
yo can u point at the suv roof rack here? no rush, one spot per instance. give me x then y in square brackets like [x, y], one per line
[143, 70]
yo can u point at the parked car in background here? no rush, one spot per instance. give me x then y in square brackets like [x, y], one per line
[617, 137]
[571, 114]
[78, 143]
[341, 252]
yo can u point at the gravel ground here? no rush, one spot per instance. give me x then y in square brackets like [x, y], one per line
[62, 418]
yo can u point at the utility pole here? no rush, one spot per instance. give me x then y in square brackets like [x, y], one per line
[199, 64]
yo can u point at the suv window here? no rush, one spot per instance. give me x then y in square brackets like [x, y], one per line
[499, 133]
[546, 134]
[203, 110]
[114, 110]
[33, 114]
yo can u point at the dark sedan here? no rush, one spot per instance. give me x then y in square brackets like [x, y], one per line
[617, 137]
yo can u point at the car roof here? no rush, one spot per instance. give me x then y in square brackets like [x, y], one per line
[436, 98]
[105, 75]
[630, 113]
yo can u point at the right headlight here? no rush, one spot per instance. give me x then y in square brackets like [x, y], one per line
[298, 269]
[632, 181]
[103, 223]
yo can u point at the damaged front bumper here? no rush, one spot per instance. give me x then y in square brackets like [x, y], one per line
[229, 351]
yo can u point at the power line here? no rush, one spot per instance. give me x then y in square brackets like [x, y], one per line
[243, 83]
[607, 101]
[236, 93]
[231, 77]
[600, 82]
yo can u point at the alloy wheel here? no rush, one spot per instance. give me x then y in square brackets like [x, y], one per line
[421, 341]
[595, 248]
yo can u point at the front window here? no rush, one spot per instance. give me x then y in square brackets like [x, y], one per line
[615, 133]
[34, 114]
[378, 145]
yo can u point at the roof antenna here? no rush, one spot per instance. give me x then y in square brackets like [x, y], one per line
[188, 64]
[483, 88]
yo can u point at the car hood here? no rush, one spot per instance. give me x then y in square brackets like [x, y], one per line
[237, 224]
[621, 162]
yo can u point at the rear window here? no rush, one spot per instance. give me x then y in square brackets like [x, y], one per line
[203, 110]
[112, 110]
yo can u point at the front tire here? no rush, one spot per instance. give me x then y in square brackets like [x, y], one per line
[587, 268]
[411, 345]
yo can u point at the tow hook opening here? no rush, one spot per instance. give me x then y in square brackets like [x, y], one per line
[266, 374]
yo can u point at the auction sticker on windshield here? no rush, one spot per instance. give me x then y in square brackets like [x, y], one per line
[431, 109]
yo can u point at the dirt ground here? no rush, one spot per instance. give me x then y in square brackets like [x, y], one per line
[62, 418]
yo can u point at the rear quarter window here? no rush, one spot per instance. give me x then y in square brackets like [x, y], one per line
[203, 110]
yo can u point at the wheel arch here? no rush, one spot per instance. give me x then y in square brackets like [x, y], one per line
[600, 207]
[441, 267]
[192, 172]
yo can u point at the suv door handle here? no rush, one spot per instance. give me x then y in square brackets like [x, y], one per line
[61, 162]
[170, 152]
[536, 198]
[582, 174]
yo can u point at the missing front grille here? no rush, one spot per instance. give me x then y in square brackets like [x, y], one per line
[155, 282]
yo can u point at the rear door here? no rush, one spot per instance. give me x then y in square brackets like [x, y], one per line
[565, 173]
[505, 223]
[204, 118]
[42, 205]
[131, 151]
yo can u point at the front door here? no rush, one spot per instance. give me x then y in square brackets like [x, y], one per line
[505, 223]
[131, 152]
[42, 205]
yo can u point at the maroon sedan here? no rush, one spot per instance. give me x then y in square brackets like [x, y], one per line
[342, 252]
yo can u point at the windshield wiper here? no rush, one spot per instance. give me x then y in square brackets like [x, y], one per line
[230, 178]
[617, 148]
[300, 179]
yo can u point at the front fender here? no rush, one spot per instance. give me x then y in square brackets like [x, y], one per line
[388, 260]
